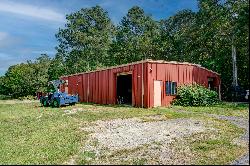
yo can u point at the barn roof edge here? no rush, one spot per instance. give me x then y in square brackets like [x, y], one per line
[143, 61]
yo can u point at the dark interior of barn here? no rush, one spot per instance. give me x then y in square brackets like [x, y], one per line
[124, 89]
[211, 83]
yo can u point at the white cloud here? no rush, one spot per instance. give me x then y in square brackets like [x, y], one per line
[3, 35]
[6, 40]
[31, 10]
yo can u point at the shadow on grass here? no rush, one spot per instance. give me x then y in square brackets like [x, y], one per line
[232, 105]
[108, 105]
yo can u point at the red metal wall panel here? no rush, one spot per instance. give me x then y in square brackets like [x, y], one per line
[80, 87]
[145, 84]
[72, 81]
[180, 73]
[100, 86]
[84, 87]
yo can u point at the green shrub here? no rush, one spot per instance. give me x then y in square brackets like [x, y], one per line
[5, 97]
[195, 95]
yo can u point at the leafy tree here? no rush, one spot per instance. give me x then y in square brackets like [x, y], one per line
[218, 30]
[3, 89]
[86, 39]
[136, 37]
[40, 67]
[177, 36]
[206, 38]
[238, 19]
[57, 67]
[18, 80]
[26, 78]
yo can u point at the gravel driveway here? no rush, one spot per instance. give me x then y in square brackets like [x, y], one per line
[127, 134]
[126, 140]
[130, 133]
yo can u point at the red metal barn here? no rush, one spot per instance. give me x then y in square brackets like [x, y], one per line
[145, 83]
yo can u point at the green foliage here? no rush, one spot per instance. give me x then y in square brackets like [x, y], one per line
[177, 35]
[26, 78]
[5, 97]
[137, 38]
[206, 37]
[86, 39]
[195, 95]
[3, 90]
[57, 67]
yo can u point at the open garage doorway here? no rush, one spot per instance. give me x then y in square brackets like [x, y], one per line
[124, 89]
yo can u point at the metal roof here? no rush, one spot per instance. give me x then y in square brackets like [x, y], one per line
[144, 61]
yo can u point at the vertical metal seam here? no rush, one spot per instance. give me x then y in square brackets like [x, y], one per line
[88, 90]
[142, 86]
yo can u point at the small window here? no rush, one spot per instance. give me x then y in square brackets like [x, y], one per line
[168, 87]
[174, 88]
[171, 88]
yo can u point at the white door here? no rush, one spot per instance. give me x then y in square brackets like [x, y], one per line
[66, 90]
[157, 93]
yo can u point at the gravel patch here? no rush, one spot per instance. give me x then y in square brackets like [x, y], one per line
[73, 111]
[136, 141]
[130, 133]
[244, 160]
[244, 139]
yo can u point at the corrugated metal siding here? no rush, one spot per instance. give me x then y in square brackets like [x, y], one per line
[180, 73]
[80, 87]
[100, 86]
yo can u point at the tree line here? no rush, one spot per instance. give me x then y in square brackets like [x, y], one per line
[90, 40]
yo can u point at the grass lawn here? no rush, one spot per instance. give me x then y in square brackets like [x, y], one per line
[30, 134]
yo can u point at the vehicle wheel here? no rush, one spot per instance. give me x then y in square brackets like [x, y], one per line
[55, 103]
[45, 103]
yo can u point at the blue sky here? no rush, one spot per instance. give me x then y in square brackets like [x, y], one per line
[28, 27]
